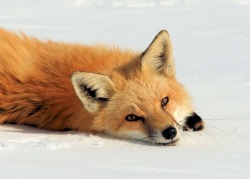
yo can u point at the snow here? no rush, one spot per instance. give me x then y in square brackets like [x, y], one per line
[212, 50]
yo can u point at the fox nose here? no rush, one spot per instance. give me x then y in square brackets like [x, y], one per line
[169, 133]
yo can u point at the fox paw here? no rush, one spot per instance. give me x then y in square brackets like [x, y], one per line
[194, 122]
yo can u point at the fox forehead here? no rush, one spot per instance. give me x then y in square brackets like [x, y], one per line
[138, 93]
[144, 89]
[152, 87]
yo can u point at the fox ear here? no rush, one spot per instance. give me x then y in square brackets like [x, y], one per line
[92, 89]
[158, 57]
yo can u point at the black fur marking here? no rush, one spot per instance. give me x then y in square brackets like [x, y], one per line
[192, 122]
[31, 125]
[2, 110]
[10, 122]
[38, 107]
[66, 129]
[92, 93]
[14, 109]
[89, 90]
[102, 99]
[16, 79]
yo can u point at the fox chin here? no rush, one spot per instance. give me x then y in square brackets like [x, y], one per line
[94, 89]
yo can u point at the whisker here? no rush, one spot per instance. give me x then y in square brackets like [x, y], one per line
[214, 137]
[212, 132]
[204, 137]
[151, 142]
[217, 130]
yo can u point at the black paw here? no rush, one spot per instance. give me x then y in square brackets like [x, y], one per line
[194, 122]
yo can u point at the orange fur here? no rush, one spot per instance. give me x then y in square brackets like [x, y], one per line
[36, 89]
[35, 71]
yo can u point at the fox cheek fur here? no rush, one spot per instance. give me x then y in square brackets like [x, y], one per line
[139, 92]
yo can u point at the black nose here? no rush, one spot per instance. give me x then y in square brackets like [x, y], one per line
[169, 133]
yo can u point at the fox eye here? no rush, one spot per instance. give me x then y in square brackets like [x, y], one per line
[132, 117]
[164, 101]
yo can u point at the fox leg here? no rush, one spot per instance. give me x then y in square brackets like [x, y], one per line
[194, 122]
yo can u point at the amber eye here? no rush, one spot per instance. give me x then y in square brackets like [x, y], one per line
[164, 101]
[132, 117]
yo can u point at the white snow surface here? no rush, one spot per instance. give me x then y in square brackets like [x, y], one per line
[212, 52]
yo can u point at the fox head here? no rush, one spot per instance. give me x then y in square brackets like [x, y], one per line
[140, 100]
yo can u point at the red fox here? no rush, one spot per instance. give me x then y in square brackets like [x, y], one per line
[94, 89]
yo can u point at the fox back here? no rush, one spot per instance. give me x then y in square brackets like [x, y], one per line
[94, 89]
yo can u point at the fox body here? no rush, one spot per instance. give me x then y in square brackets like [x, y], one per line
[94, 89]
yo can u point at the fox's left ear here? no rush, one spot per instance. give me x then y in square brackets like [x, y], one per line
[158, 57]
[92, 89]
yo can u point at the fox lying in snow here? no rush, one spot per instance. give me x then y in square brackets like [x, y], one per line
[93, 89]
